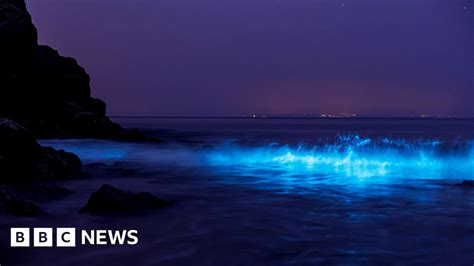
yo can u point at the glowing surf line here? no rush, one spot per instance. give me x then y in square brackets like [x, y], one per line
[351, 156]
[348, 160]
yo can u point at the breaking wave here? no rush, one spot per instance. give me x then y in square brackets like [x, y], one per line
[347, 160]
[354, 156]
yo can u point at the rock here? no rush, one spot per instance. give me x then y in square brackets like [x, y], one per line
[45, 92]
[15, 139]
[22, 159]
[110, 200]
[43, 95]
[58, 164]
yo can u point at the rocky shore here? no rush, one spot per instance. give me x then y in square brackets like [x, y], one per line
[42, 95]
[22, 159]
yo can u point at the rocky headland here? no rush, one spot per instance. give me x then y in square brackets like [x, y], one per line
[42, 95]
[46, 93]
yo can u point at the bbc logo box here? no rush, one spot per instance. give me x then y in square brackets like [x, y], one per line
[42, 237]
[20, 237]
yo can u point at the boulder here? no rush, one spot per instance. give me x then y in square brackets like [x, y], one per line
[110, 200]
[22, 159]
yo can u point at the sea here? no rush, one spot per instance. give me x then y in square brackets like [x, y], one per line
[276, 191]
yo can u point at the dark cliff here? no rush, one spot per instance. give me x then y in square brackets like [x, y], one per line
[43, 95]
[45, 92]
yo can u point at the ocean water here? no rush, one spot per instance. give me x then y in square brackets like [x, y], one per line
[280, 192]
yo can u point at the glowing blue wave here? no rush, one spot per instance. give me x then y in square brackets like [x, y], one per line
[351, 160]
[354, 157]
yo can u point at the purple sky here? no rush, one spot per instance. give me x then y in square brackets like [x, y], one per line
[238, 57]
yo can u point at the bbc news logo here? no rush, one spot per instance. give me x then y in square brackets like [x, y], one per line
[66, 237]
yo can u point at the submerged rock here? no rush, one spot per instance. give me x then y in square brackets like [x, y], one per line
[110, 200]
[23, 159]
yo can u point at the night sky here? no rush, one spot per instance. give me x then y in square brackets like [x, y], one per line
[239, 57]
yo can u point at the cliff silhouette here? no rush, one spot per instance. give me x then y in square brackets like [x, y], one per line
[43, 95]
[45, 92]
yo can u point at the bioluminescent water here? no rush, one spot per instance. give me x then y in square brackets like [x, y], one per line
[349, 160]
[283, 192]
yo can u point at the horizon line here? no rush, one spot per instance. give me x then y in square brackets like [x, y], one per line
[292, 117]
